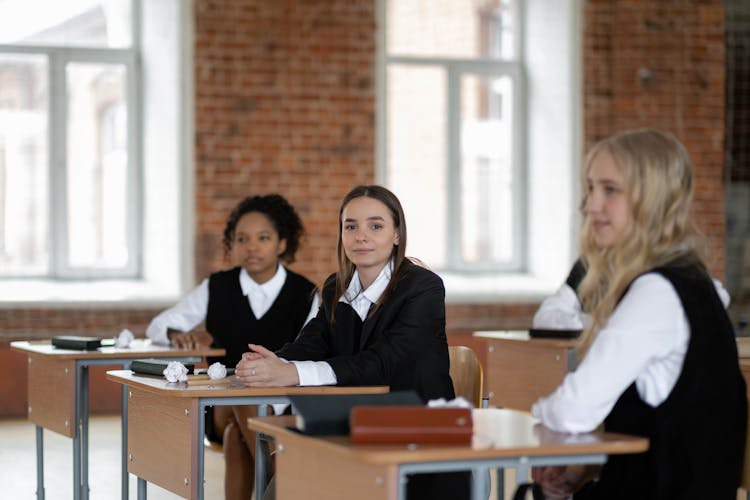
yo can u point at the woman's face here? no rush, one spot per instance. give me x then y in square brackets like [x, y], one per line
[256, 246]
[368, 234]
[607, 206]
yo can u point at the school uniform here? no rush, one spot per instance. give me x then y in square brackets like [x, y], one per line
[401, 344]
[233, 323]
[237, 310]
[664, 366]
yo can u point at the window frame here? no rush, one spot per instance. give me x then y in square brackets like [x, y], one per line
[58, 57]
[455, 68]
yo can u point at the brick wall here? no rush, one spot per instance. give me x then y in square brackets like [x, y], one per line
[285, 102]
[662, 64]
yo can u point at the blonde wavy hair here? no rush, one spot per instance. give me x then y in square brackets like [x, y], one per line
[658, 177]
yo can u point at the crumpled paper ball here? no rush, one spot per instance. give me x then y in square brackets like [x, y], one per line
[124, 338]
[459, 402]
[217, 371]
[175, 372]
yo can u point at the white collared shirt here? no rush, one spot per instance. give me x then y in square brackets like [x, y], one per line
[644, 341]
[192, 309]
[320, 372]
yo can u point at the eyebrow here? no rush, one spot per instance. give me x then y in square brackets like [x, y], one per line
[374, 217]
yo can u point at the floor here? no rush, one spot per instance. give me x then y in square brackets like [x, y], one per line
[18, 464]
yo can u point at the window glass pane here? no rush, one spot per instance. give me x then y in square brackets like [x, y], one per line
[487, 208]
[416, 156]
[97, 165]
[450, 28]
[23, 165]
[80, 23]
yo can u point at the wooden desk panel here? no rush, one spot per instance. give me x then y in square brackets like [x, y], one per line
[161, 441]
[52, 394]
[520, 370]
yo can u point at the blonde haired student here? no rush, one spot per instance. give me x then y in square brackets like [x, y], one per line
[660, 358]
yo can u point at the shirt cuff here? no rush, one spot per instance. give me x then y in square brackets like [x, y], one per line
[315, 373]
[158, 334]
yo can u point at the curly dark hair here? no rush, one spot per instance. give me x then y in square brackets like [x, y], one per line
[283, 216]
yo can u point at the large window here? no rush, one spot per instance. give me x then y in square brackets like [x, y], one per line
[95, 151]
[69, 180]
[478, 135]
[453, 127]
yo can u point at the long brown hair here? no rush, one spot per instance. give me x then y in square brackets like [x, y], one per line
[658, 177]
[346, 267]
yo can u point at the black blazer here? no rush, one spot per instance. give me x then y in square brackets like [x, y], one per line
[402, 344]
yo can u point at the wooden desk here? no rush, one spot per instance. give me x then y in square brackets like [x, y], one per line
[743, 347]
[58, 393]
[520, 369]
[166, 426]
[331, 467]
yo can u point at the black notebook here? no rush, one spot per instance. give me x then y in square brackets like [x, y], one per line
[77, 343]
[329, 413]
[551, 333]
[153, 366]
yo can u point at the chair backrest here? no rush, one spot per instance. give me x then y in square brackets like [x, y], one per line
[745, 483]
[466, 373]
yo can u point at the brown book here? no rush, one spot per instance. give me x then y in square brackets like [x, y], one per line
[410, 424]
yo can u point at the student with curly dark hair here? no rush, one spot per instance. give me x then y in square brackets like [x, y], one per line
[258, 301]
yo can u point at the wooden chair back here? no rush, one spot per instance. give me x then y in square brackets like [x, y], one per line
[466, 373]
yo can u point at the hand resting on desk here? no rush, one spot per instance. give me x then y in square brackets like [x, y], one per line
[262, 368]
[190, 340]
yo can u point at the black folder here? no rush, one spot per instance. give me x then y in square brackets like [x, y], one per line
[329, 413]
[153, 366]
[77, 343]
[551, 333]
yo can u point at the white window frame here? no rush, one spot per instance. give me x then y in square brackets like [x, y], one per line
[455, 68]
[548, 156]
[58, 57]
[165, 174]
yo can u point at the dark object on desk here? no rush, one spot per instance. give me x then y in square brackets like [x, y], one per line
[154, 366]
[76, 343]
[329, 414]
[409, 424]
[549, 333]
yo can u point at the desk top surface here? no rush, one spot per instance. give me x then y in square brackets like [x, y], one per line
[227, 387]
[139, 348]
[498, 433]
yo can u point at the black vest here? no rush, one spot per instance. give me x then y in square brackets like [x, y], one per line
[697, 435]
[230, 319]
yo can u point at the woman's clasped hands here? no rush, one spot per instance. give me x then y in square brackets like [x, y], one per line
[262, 368]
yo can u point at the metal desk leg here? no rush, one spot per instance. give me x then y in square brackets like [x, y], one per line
[78, 424]
[124, 493]
[201, 450]
[260, 459]
[84, 417]
[480, 483]
[141, 489]
[39, 463]
[500, 483]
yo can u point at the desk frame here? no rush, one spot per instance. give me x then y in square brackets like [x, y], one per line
[154, 401]
[502, 439]
[80, 361]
